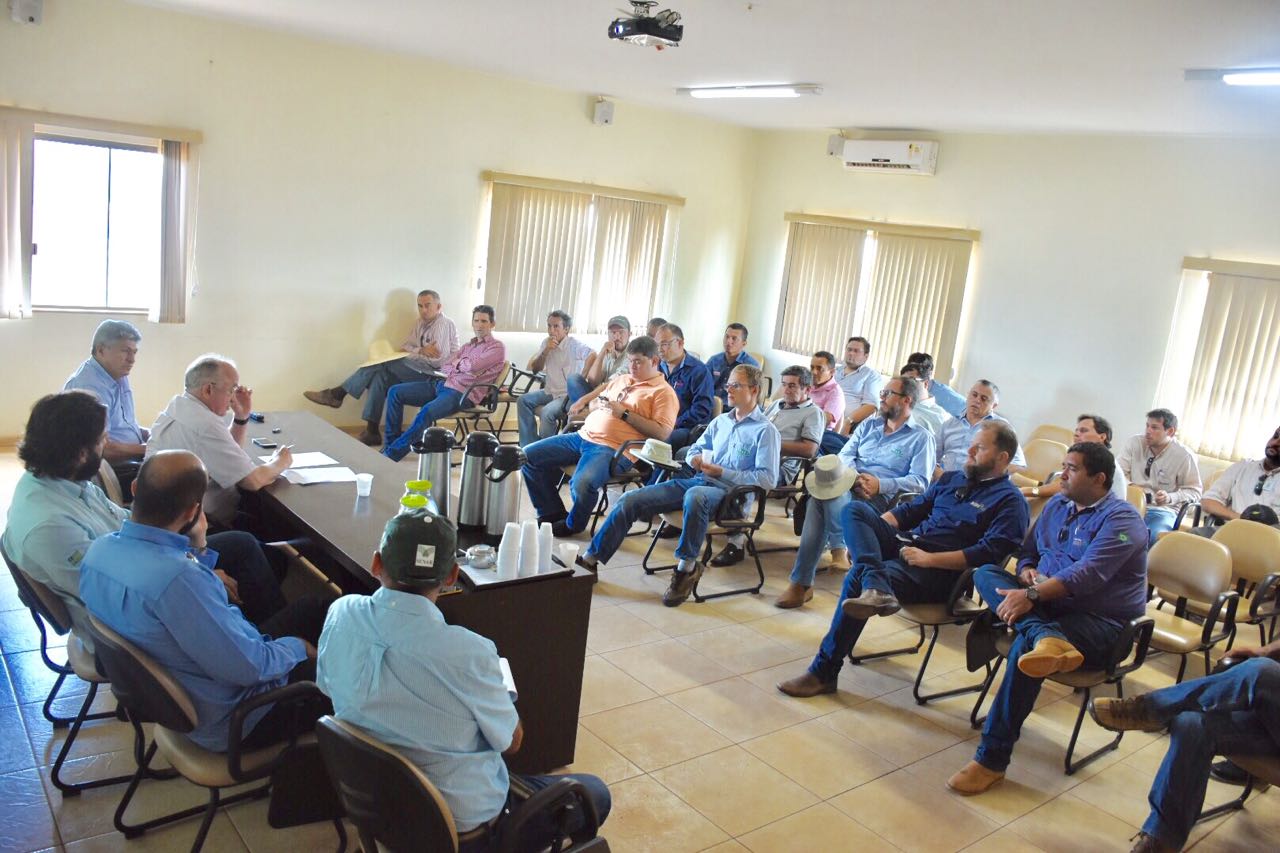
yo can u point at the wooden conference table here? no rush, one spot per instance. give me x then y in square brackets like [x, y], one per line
[538, 624]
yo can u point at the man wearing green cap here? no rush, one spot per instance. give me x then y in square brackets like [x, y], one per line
[434, 691]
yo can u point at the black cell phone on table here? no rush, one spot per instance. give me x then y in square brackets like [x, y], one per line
[266, 443]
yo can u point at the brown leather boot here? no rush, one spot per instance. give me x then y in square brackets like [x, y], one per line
[794, 596]
[807, 685]
[372, 435]
[331, 397]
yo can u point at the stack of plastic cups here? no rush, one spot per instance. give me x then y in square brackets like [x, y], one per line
[545, 541]
[509, 552]
[528, 548]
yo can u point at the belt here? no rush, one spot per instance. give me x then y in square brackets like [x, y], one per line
[481, 830]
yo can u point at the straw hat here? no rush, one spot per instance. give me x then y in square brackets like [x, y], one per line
[830, 478]
[381, 351]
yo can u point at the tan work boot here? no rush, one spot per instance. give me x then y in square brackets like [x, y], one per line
[794, 596]
[973, 779]
[840, 560]
[1050, 655]
[807, 685]
[1124, 715]
[331, 397]
[872, 602]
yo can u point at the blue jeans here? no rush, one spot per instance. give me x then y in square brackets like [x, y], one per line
[822, 530]
[534, 424]
[1159, 519]
[698, 498]
[1092, 635]
[873, 549]
[542, 470]
[437, 402]
[578, 387]
[377, 379]
[832, 443]
[539, 832]
[1235, 712]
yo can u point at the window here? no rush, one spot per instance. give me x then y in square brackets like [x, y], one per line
[899, 286]
[1222, 351]
[592, 251]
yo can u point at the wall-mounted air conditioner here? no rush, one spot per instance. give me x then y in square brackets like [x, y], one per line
[885, 155]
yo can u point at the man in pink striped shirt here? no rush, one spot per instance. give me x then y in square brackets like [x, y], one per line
[478, 363]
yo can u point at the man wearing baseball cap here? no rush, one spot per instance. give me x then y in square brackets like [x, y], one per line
[433, 691]
[611, 361]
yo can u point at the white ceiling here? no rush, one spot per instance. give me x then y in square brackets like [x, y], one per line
[942, 65]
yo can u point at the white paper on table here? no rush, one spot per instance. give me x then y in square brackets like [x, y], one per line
[508, 680]
[314, 459]
[310, 476]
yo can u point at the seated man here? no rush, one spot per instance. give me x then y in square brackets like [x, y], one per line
[741, 447]
[106, 374]
[828, 396]
[957, 433]
[153, 584]
[1093, 428]
[609, 362]
[1082, 575]
[799, 423]
[889, 453]
[860, 383]
[638, 405]
[433, 691]
[927, 411]
[1230, 713]
[722, 363]
[209, 419]
[966, 519]
[559, 357]
[951, 401]
[479, 361]
[1163, 467]
[56, 512]
[655, 323]
[691, 381]
[430, 343]
[1247, 482]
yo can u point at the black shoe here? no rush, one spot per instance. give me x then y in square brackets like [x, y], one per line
[682, 584]
[669, 531]
[1229, 772]
[562, 530]
[730, 556]
[591, 567]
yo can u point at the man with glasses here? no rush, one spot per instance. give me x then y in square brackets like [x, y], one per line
[915, 552]
[209, 419]
[691, 381]
[1163, 467]
[891, 455]
[609, 362]
[957, 433]
[637, 405]
[1082, 575]
[1245, 484]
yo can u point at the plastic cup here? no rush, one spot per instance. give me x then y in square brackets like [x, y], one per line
[569, 554]
[364, 485]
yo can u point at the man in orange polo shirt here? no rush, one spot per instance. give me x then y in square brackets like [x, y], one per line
[638, 404]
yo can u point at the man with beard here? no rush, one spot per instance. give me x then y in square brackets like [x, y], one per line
[1247, 482]
[913, 553]
[56, 512]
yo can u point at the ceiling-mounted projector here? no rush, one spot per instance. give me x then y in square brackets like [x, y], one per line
[646, 29]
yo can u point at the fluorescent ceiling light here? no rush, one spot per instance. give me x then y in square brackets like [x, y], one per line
[1251, 77]
[790, 90]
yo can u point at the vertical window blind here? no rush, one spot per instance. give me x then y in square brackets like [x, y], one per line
[819, 286]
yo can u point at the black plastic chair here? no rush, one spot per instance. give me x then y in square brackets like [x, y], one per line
[395, 807]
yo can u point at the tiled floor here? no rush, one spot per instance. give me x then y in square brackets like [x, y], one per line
[680, 716]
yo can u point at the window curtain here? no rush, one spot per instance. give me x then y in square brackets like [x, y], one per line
[1232, 404]
[539, 245]
[16, 147]
[819, 286]
[916, 292]
[178, 233]
[627, 263]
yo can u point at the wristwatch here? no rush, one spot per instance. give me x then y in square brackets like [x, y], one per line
[626, 414]
[1033, 595]
[239, 421]
[1035, 491]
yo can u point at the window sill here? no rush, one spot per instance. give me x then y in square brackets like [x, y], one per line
[77, 309]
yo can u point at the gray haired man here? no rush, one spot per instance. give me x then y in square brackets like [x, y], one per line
[106, 375]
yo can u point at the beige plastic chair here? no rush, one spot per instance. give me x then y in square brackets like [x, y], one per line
[1255, 570]
[1186, 568]
[1044, 458]
[110, 483]
[766, 381]
[1053, 432]
[1134, 495]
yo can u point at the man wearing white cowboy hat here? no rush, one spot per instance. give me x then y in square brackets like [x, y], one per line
[741, 447]
[966, 519]
[887, 454]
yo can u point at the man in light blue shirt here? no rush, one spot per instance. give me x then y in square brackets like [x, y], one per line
[945, 395]
[958, 433]
[890, 453]
[153, 583]
[741, 447]
[433, 691]
[106, 374]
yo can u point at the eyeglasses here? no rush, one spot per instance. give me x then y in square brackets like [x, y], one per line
[885, 392]
[1257, 490]
[1151, 460]
[816, 367]
[735, 386]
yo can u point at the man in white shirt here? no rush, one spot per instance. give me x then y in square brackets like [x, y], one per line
[1247, 482]
[1165, 469]
[559, 357]
[860, 382]
[209, 419]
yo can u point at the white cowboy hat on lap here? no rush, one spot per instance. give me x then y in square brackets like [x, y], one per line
[829, 478]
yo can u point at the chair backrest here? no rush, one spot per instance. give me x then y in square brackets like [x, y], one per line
[140, 684]
[387, 797]
[1254, 547]
[38, 597]
[1044, 457]
[110, 483]
[717, 407]
[1136, 496]
[1053, 432]
[1183, 565]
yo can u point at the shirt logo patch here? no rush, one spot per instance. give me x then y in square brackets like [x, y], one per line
[1123, 537]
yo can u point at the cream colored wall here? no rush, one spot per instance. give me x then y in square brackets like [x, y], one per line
[1081, 250]
[335, 183]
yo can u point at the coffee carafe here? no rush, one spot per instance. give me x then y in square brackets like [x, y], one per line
[473, 487]
[503, 501]
[433, 449]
